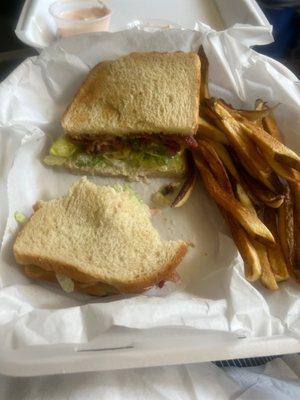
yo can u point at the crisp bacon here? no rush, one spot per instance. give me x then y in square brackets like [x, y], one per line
[191, 142]
[174, 143]
[173, 277]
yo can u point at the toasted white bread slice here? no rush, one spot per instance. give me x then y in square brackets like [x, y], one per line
[98, 234]
[141, 93]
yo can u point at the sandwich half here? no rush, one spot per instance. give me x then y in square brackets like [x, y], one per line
[99, 237]
[133, 116]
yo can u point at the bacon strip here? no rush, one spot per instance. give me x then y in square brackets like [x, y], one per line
[173, 277]
[173, 143]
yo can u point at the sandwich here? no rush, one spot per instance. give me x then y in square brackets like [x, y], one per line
[133, 116]
[96, 239]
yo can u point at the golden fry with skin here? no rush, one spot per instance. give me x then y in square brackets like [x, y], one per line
[209, 131]
[244, 216]
[224, 156]
[204, 92]
[251, 260]
[271, 146]
[286, 228]
[272, 128]
[216, 166]
[188, 185]
[275, 253]
[259, 192]
[252, 266]
[267, 274]
[244, 148]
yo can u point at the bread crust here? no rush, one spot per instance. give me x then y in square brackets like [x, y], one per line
[145, 283]
[78, 92]
[136, 286]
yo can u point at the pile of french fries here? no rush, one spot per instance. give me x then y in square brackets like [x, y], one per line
[255, 181]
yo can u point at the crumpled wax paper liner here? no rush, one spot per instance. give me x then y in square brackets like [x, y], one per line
[214, 294]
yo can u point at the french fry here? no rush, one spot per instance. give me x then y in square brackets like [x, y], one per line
[207, 130]
[258, 193]
[271, 127]
[204, 93]
[257, 202]
[261, 111]
[271, 146]
[248, 252]
[225, 158]
[260, 105]
[241, 179]
[188, 185]
[254, 115]
[295, 189]
[280, 169]
[286, 228]
[216, 166]
[244, 216]
[243, 197]
[252, 265]
[275, 254]
[244, 148]
[267, 276]
[211, 116]
[258, 166]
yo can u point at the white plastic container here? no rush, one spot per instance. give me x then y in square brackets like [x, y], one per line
[119, 347]
[37, 28]
[140, 349]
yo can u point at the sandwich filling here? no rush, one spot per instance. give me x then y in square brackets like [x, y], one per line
[140, 152]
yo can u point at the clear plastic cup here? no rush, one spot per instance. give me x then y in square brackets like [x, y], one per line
[80, 16]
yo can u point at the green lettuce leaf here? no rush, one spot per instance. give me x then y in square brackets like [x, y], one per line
[54, 160]
[88, 160]
[19, 217]
[66, 283]
[134, 155]
[63, 147]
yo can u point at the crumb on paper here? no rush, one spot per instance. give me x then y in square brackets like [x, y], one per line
[165, 195]
[159, 200]
[155, 211]
[191, 244]
[20, 217]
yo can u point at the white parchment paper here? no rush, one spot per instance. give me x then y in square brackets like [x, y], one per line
[214, 294]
